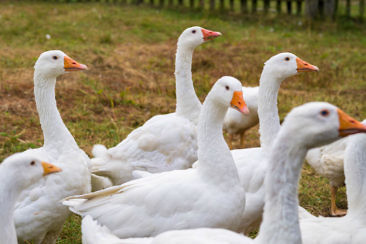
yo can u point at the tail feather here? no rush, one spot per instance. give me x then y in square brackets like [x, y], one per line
[73, 203]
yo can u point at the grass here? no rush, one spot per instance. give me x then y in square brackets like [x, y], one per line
[131, 61]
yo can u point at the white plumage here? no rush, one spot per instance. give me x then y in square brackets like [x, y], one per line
[39, 215]
[164, 142]
[93, 233]
[237, 123]
[326, 230]
[305, 126]
[250, 162]
[16, 173]
[350, 229]
[207, 196]
[328, 162]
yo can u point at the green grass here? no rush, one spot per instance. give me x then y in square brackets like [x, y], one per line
[130, 52]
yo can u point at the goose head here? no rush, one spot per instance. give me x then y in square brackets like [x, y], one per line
[226, 92]
[27, 169]
[195, 36]
[284, 65]
[54, 63]
[319, 123]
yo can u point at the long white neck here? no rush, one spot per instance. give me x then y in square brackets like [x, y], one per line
[280, 218]
[188, 104]
[269, 121]
[9, 193]
[355, 172]
[56, 135]
[216, 162]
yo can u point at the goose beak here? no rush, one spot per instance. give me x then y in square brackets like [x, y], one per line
[303, 66]
[72, 65]
[209, 35]
[238, 102]
[49, 168]
[348, 125]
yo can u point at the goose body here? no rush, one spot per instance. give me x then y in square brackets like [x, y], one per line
[164, 142]
[237, 123]
[39, 215]
[16, 173]
[93, 233]
[206, 196]
[250, 162]
[330, 230]
[350, 229]
[306, 126]
[327, 161]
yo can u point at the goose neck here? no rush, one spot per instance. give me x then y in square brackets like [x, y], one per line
[9, 192]
[269, 121]
[355, 172]
[55, 133]
[216, 161]
[280, 219]
[188, 104]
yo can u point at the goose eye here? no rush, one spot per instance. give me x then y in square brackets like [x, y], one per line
[227, 88]
[287, 58]
[194, 31]
[324, 113]
[55, 57]
[32, 163]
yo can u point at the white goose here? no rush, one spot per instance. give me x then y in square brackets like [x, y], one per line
[207, 196]
[250, 162]
[304, 127]
[237, 123]
[39, 214]
[164, 142]
[328, 162]
[16, 173]
[350, 229]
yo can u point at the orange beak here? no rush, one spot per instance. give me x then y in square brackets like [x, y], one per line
[49, 168]
[303, 66]
[348, 125]
[209, 35]
[238, 103]
[72, 65]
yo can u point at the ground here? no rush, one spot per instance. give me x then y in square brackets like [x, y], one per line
[130, 54]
